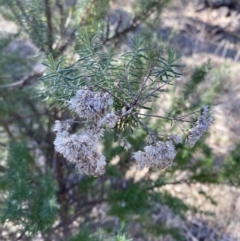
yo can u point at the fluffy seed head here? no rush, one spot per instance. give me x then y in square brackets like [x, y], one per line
[158, 155]
[201, 126]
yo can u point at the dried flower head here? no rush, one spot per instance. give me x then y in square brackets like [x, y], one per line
[93, 164]
[109, 120]
[79, 149]
[176, 139]
[95, 130]
[61, 126]
[90, 105]
[201, 126]
[158, 155]
[124, 143]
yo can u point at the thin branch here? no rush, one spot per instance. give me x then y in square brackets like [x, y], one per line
[126, 79]
[80, 211]
[123, 91]
[142, 124]
[61, 13]
[2, 168]
[183, 181]
[144, 81]
[24, 81]
[135, 23]
[7, 129]
[191, 113]
[85, 15]
[107, 28]
[22, 234]
[151, 93]
[48, 14]
[119, 21]
[3, 144]
[180, 128]
[126, 113]
[61, 47]
[167, 118]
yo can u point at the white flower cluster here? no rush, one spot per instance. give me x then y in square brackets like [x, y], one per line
[93, 106]
[176, 139]
[200, 128]
[124, 143]
[81, 148]
[158, 155]
[109, 120]
[161, 154]
[97, 109]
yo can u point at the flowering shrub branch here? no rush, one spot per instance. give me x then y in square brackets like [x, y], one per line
[111, 92]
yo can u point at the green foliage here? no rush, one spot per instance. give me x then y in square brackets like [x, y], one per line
[130, 200]
[82, 235]
[31, 201]
[25, 14]
[162, 230]
[85, 235]
[197, 77]
[107, 70]
[229, 169]
[142, 6]
[123, 76]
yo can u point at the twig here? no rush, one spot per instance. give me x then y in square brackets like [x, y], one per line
[142, 124]
[119, 21]
[107, 28]
[49, 23]
[7, 129]
[151, 93]
[85, 16]
[123, 91]
[167, 118]
[190, 235]
[126, 113]
[135, 23]
[78, 213]
[191, 113]
[22, 234]
[61, 12]
[126, 79]
[180, 128]
[136, 98]
[4, 145]
[24, 81]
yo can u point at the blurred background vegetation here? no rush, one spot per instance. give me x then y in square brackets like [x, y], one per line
[44, 198]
